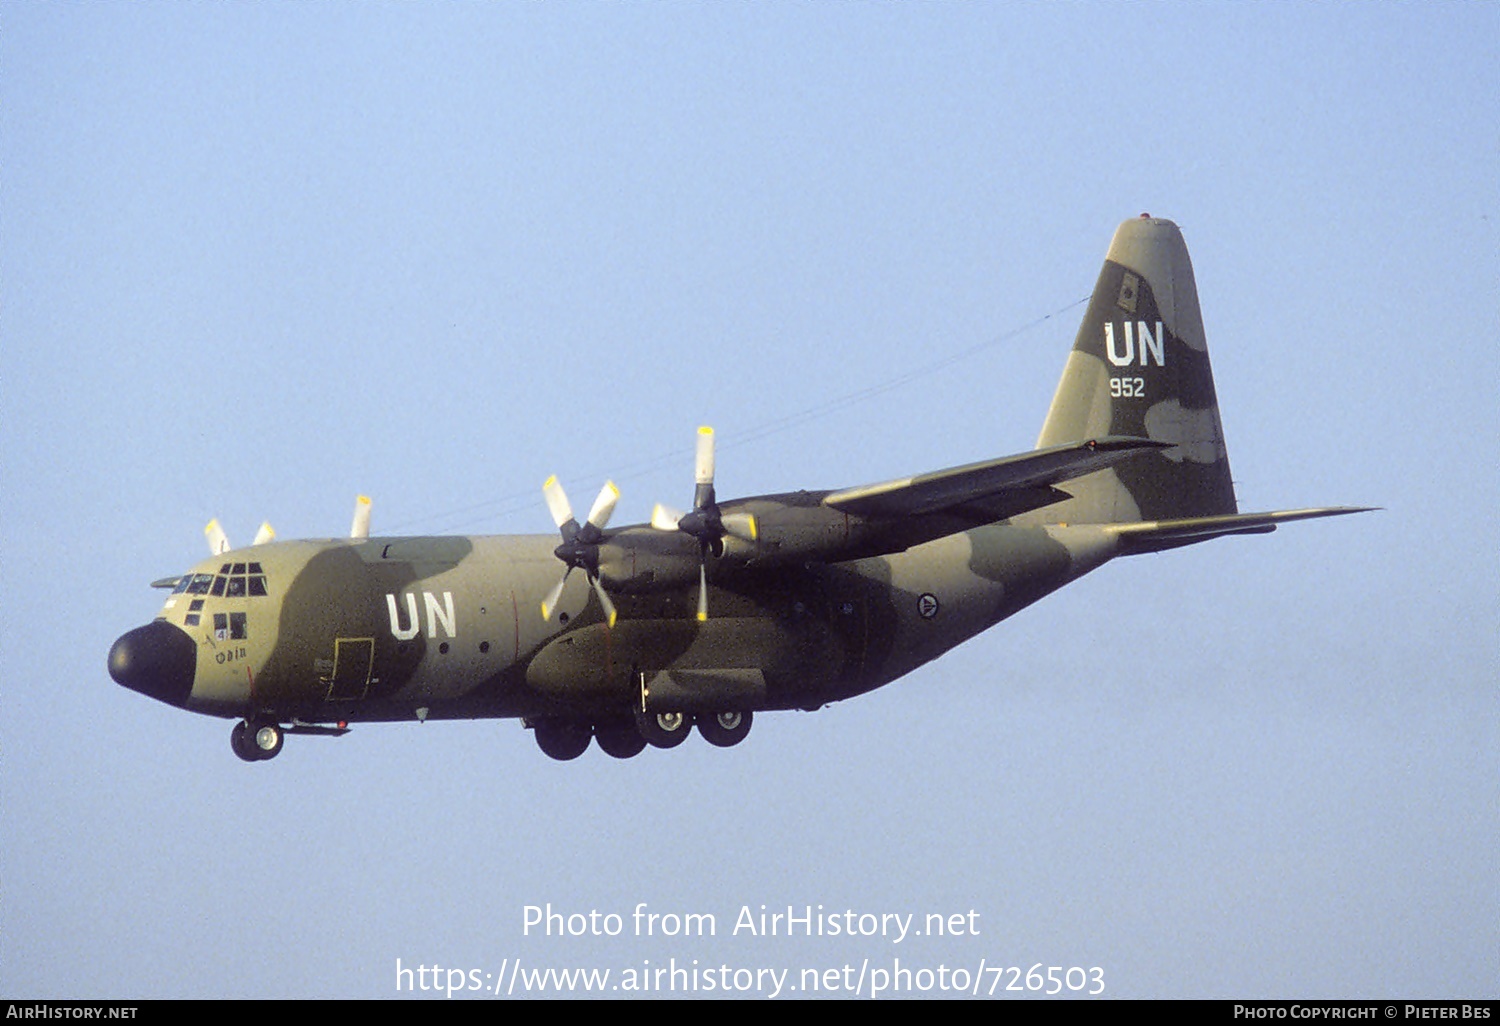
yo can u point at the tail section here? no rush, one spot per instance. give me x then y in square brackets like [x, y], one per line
[1139, 367]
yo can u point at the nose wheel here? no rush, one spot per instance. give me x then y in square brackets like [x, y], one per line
[256, 742]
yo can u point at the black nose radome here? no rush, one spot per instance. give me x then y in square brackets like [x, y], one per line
[158, 660]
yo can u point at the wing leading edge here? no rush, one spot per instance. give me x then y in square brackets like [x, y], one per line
[1029, 474]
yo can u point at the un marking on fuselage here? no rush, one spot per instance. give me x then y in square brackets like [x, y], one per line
[437, 615]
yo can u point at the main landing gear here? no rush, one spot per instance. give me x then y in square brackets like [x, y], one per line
[725, 729]
[624, 737]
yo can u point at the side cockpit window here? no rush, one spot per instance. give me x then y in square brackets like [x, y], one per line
[229, 626]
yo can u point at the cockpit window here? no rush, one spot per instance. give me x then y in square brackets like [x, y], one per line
[241, 584]
[234, 580]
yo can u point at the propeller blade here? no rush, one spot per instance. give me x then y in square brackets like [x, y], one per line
[703, 471]
[267, 533]
[604, 505]
[218, 541]
[664, 518]
[703, 465]
[361, 526]
[741, 526]
[549, 604]
[702, 592]
[557, 501]
[604, 602]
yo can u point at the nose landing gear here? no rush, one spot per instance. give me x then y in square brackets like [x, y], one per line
[256, 741]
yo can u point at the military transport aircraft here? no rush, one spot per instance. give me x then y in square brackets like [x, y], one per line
[707, 617]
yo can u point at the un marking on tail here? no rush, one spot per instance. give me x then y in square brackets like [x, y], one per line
[1151, 345]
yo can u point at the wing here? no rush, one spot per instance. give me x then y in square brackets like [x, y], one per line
[1028, 477]
[854, 523]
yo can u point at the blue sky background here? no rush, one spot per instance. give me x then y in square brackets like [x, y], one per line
[256, 259]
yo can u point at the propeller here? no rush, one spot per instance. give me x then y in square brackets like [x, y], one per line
[218, 541]
[580, 544]
[705, 522]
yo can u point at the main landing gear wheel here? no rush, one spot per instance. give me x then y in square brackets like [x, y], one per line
[663, 729]
[563, 739]
[725, 728]
[619, 738]
[256, 742]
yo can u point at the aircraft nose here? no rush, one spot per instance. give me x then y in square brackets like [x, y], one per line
[157, 660]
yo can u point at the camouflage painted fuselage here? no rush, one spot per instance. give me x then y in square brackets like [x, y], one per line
[447, 627]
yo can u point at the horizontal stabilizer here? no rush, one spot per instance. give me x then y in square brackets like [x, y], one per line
[1030, 472]
[1156, 535]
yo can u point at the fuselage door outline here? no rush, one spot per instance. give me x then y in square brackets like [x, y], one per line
[353, 663]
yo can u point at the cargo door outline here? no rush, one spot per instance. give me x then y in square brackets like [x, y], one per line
[353, 663]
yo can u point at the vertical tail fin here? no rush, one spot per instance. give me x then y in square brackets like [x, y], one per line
[1140, 367]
